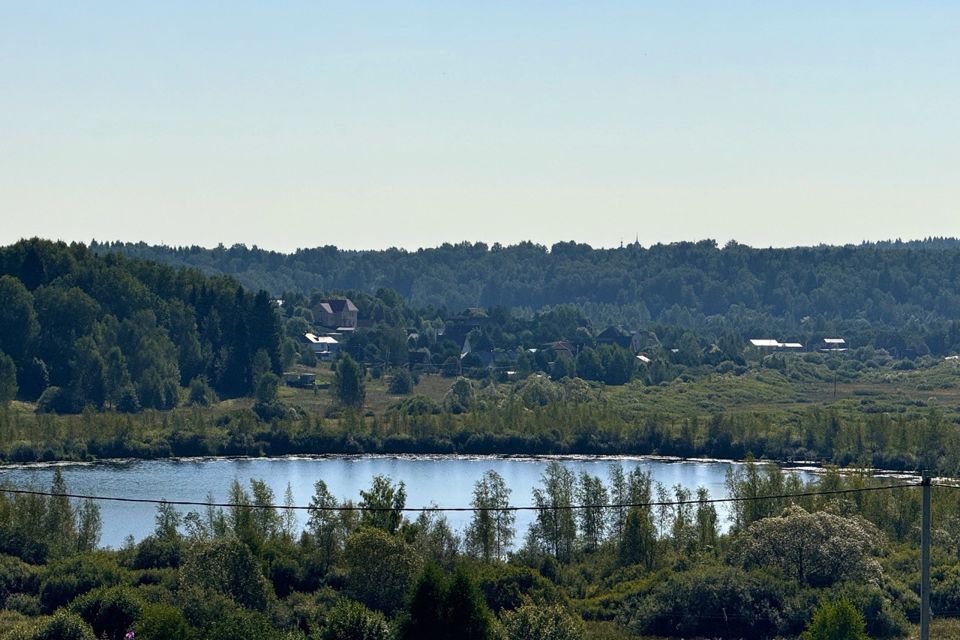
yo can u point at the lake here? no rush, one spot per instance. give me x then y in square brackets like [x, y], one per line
[430, 480]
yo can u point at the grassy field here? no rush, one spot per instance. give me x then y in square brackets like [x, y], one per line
[757, 390]
[776, 392]
[378, 398]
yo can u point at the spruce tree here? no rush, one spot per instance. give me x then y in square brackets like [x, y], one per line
[348, 383]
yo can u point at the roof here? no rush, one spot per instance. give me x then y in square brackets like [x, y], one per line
[834, 341]
[315, 339]
[642, 358]
[337, 305]
[766, 342]
[611, 333]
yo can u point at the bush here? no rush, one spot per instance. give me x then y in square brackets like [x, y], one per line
[380, 567]
[838, 620]
[542, 622]
[350, 620]
[201, 394]
[884, 620]
[507, 586]
[226, 566]
[401, 383]
[945, 592]
[161, 622]
[154, 553]
[712, 601]
[62, 626]
[415, 406]
[54, 400]
[66, 580]
[308, 358]
[239, 624]
[129, 401]
[111, 611]
[22, 451]
[16, 577]
[23, 603]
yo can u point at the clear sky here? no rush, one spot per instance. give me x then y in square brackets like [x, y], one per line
[369, 124]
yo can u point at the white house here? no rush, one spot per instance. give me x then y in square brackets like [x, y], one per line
[775, 345]
[324, 347]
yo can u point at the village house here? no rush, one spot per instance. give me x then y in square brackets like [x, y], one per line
[833, 344]
[335, 313]
[767, 344]
[324, 347]
[613, 335]
[561, 349]
[457, 327]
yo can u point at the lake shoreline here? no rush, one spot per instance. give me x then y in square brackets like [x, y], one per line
[808, 466]
[430, 481]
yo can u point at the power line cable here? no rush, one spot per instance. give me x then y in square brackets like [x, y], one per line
[351, 507]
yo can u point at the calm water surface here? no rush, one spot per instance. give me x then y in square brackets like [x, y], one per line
[441, 480]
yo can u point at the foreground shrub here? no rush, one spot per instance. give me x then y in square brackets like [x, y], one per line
[838, 620]
[62, 626]
[542, 622]
[350, 620]
[712, 601]
[110, 611]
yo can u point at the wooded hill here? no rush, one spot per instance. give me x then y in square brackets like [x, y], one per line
[113, 332]
[907, 290]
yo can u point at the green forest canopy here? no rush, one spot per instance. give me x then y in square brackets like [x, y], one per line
[904, 294]
[124, 333]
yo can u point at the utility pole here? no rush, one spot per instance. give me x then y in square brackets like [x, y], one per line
[925, 561]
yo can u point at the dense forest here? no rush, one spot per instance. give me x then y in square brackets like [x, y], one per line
[907, 290]
[79, 330]
[639, 560]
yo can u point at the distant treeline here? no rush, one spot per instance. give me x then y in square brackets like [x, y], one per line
[80, 330]
[903, 296]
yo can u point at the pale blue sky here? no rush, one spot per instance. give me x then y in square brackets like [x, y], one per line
[367, 125]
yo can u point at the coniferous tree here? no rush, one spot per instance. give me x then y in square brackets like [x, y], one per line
[348, 382]
[425, 617]
[638, 544]
[442, 608]
[467, 614]
[237, 375]
[8, 378]
[18, 320]
[266, 332]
